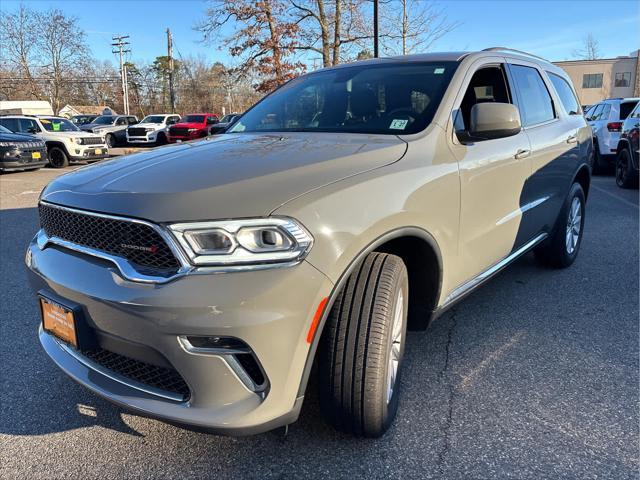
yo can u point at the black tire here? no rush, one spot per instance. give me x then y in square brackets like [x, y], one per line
[598, 166]
[356, 347]
[58, 157]
[555, 251]
[161, 139]
[625, 175]
[110, 140]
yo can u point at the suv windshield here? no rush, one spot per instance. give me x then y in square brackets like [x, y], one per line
[193, 119]
[58, 125]
[393, 98]
[104, 120]
[153, 119]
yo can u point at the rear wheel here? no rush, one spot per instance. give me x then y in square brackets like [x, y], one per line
[58, 157]
[363, 345]
[625, 176]
[562, 248]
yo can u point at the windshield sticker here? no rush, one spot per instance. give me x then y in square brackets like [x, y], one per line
[398, 124]
[438, 71]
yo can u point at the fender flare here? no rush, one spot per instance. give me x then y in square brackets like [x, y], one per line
[384, 238]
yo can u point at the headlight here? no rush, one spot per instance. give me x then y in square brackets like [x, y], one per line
[79, 141]
[193, 129]
[243, 242]
[149, 129]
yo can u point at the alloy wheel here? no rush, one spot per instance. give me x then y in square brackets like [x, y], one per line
[574, 225]
[396, 345]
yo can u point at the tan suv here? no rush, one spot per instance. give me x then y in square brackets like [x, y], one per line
[199, 283]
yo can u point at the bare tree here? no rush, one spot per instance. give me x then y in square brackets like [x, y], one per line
[409, 26]
[264, 38]
[18, 36]
[590, 49]
[62, 45]
[329, 27]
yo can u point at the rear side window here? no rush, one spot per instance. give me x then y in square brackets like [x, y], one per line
[536, 104]
[594, 112]
[626, 108]
[565, 92]
[28, 126]
[11, 124]
[605, 112]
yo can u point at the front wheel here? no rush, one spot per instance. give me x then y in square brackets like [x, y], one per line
[362, 348]
[110, 139]
[561, 249]
[58, 157]
[625, 176]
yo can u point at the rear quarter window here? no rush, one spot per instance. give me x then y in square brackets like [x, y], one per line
[565, 93]
[626, 108]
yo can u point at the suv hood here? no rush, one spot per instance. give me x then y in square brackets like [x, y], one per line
[19, 137]
[229, 176]
[155, 126]
[71, 134]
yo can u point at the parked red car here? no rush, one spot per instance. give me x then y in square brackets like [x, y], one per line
[192, 126]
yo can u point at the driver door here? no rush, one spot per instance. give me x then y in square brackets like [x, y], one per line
[492, 175]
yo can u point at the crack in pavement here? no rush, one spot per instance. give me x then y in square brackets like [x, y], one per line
[444, 452]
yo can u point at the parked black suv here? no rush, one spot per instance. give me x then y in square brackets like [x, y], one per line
[20, 151]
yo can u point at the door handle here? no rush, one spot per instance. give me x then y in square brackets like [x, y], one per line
[522, 153]
[572, 139]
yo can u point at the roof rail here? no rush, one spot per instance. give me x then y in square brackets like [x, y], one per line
[506, 49]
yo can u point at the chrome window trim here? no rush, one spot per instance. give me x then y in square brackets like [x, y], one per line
[116, 377]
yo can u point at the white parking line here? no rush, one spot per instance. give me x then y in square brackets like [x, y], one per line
[623, 200]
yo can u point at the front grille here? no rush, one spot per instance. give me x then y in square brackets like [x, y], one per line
[162, 378]
[92, 141]
[179, 132]
[137, 132]
[138, 243]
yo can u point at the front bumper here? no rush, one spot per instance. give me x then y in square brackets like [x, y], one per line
[185, 138]
[270, 310]
[80, 153]
[150, 137]
[22, 161]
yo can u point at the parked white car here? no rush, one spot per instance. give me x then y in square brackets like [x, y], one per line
[65, 142]
[606, 119]
[152, 129]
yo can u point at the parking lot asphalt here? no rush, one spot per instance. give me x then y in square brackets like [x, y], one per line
[535, 375]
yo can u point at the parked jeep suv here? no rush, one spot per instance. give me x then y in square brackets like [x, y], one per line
[628, 153]
[346, 205]
[65, 142]
[20, 151]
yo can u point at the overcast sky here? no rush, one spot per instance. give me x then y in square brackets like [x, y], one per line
[550, 28]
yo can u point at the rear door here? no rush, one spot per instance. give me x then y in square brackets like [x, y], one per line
[553, 135]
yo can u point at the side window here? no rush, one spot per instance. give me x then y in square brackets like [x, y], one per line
[11, 124]
[606, 111]
[489, 84]
[565, 92]
[121, 121]
[537, 106]
[132, 120]
[28, 126]
[594, 113]
[626, 108]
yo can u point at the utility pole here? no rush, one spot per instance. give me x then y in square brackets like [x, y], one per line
[172, 93]
[375, 29]
[120, 43]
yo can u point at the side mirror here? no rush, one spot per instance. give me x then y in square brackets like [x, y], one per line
[494, 120]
